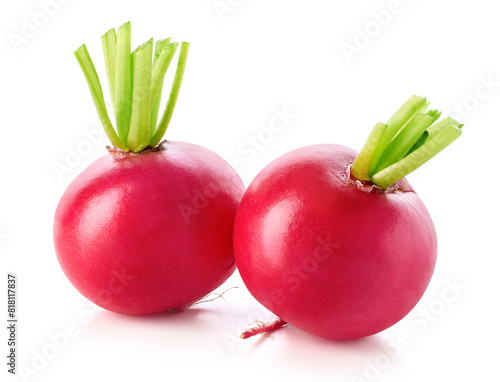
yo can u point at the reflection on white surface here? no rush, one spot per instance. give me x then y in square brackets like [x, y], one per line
[204, 341]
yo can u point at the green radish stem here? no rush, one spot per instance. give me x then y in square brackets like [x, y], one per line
[361, 166]
[88, 68]
[135, 82]
[400, 118]
[156, 99]
[408, 140]
[411, 162]
[420, 141]
[138, 137]
[123, 81]
[407, 137]
[174, 93]
[160, 67]
[109, 51]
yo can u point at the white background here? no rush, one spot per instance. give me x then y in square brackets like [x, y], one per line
[246, 60]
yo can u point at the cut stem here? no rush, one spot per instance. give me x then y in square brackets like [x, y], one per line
[405, 140]
[398, 120]
[438, 126]
[409, 139]
[123, 81]
[411, 162]
[160, 67]
[138, 137]
[156, 99]
[109, 51]
[174, 93]
[88, 68]
[361, 167]
[135, 84]
[420, 141]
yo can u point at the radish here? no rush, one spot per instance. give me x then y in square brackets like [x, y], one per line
[147, 228]
[339, 244]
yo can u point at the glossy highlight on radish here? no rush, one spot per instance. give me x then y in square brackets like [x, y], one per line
[337, 255]
[147, 227]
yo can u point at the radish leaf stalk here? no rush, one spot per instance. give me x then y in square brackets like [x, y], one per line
[156, 99]
[409, 139]
[361, 166]
[420, 141]
[400, 118]
[174, 93]
[109, 51]
[123, 82]
[135, 82]
[88, 68]
[138, 137]
[160, 67]
[417, 158]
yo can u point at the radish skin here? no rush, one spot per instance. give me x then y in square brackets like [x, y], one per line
[328, 254]
[150, 232]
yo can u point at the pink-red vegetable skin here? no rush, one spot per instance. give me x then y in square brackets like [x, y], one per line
[337, 243]
[326, 256]
[149, 232]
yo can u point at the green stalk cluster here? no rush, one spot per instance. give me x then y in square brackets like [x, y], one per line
[135, 82]
[408, 140]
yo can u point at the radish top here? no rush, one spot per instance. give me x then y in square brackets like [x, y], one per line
[408, 140]
[135, 82]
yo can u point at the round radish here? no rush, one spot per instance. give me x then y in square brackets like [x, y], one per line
[337, 255]
[147, 228]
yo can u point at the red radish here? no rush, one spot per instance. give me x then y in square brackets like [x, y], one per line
[147, 228]
[334, 255]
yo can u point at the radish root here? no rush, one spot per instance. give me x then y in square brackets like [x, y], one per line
[219, 295]
[204, 299]
[263, 328]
